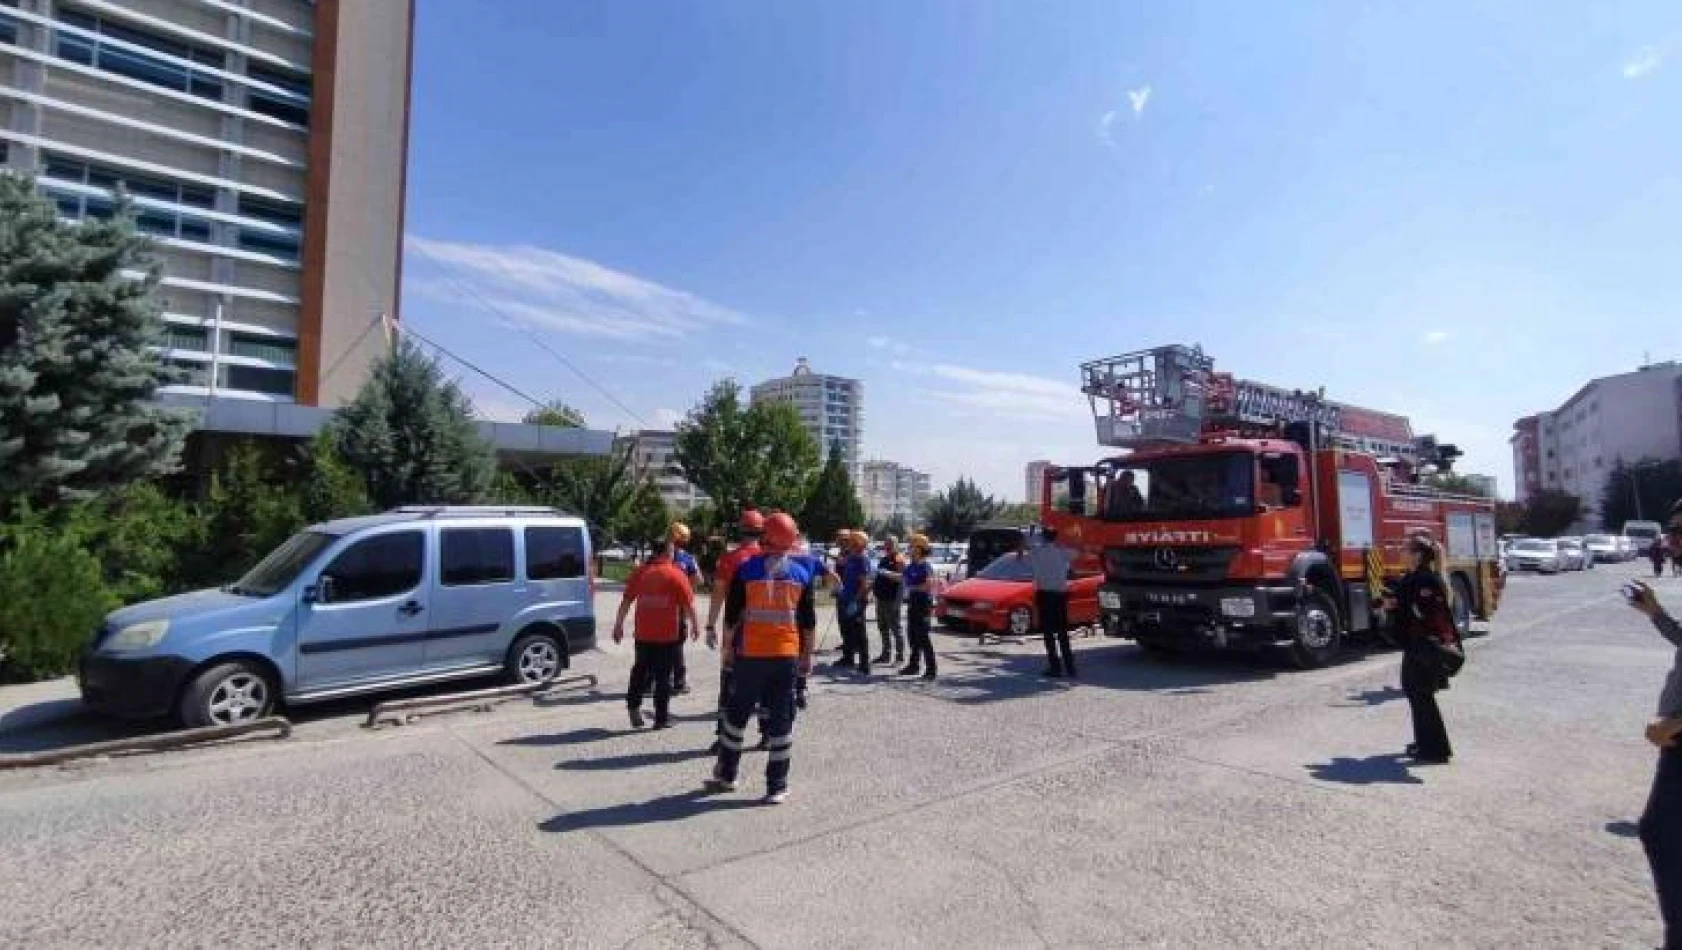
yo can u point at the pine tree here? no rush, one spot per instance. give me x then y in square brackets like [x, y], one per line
[410, 432]
[833, 504]
[77, 366]
[953, 514]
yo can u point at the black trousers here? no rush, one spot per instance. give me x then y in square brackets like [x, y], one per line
[653, 667]
[1053, 607]
[855, 642]
[887, 624]
[1420, 683]
[767, 684]
[680, 671]
[1661, 837]
[726, 683]
[918, 607]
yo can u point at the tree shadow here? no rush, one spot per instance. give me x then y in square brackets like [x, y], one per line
[1389, 769]
[1623, 829]
[657, 811]
[614, 763]
[1372, 697]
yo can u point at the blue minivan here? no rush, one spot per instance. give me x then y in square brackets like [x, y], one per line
[417, 595]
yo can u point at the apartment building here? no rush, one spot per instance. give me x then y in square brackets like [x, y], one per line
[263, 144]
[831, 409]
[1033, 480]
[1628, 417]
[889, 490]
[654, 451]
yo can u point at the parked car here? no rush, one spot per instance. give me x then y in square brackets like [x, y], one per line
[1626, 550]
[1534, 554]
[1643, 535]
[1574, 555]
[1603, 548]
[416, 595]
[1000, 598]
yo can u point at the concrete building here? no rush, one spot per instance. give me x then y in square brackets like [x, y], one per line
[831, 408]
[888, 490]
[1032, 481]
[1483, 484]
[1629, 417]
[264, 145]
[653, 451]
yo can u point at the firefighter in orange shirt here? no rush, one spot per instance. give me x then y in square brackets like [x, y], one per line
[664, 600]
[770, 619]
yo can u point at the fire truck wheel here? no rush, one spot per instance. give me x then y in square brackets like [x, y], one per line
[1318, 636]
[1462, 606]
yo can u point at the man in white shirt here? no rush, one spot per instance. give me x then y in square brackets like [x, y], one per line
[1050, 562]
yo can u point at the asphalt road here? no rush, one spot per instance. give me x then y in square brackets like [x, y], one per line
[1216, 802]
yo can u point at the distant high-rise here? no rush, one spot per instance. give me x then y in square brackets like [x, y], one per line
[888, 490]
[653, 453]
[1034, 480]
[831, 409]
[263, 144]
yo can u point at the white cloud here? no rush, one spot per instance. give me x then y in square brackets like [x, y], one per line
[544, 289]
[1646, 60]
[1106, 124]
[899, 347]
[1433, 337]
[879, 342]
[1137, 99]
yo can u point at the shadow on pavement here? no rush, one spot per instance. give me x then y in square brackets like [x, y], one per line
[1373, 697]
[614, 763]
[575, 737]
[670, 808]
[992, 675]
[1623, 829]
[1390, 769]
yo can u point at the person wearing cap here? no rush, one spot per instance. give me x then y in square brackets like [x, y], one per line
[749, 528]
[852, 600]
[770, 621]
[918, 579]
[887, 589]
[663, 597]
[685, 562]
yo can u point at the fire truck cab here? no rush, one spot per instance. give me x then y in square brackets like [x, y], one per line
[1249, 519]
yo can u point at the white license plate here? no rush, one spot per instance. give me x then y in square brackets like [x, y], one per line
[1109, 600]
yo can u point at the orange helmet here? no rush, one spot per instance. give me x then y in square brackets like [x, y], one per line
[752, 522]
[679, 534]
[781, 533]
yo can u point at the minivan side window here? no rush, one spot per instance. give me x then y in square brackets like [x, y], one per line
[384, 565]
[476, 556]
[554, 553]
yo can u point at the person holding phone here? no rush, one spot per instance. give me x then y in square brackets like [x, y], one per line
[1661, 821]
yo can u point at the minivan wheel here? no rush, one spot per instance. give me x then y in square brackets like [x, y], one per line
[536, 658]
[227, 694]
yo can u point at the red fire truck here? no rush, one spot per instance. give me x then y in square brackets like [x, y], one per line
[1243, 515]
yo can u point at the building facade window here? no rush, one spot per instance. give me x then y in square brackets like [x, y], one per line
[95, 52]
[284, 352]
[186, 338]
[155, 221]
[274, 382]
[292, 106]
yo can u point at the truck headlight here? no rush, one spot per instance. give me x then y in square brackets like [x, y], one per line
[138, 636]
[1238, 607]
[1109, 600]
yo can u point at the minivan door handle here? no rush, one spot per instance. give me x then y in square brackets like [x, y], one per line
[411, 608]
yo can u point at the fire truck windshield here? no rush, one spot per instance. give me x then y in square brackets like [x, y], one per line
[1182, 487]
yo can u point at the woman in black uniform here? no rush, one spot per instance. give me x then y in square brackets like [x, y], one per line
[1423, 620]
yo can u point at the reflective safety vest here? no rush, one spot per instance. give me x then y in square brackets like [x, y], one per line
[770, 619]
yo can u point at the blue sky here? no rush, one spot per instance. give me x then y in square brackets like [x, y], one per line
[1458, 211]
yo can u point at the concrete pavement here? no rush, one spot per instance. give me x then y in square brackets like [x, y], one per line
[1211, 802]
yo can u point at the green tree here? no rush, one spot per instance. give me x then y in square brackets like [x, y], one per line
[833, 503]
[143, 538]
[52, 594]
[1457, 483]
[1550, 513]
[330, 488]
[555, 413]
[1509, 517]
[598, 489]
[897, 526]
[248, 513]
[77, 372]
[646, 517]
[1640, 492]
[758, 455]
[954, 513]
[410, 432]
[1018, 514]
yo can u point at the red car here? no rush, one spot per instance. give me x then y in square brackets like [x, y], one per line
[1000, 599]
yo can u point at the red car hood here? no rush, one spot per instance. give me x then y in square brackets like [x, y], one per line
[981, 588]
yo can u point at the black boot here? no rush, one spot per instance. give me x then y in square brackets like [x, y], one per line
[910, 669]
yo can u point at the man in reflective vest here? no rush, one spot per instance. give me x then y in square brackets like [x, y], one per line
[749, 528]
[771, 621]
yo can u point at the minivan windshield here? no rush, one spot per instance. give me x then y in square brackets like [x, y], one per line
[1203, 486]
[275, 572]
